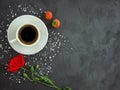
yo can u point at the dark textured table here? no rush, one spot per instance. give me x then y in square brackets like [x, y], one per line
[93, 29]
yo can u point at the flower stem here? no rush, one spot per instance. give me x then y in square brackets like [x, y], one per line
[38, 75]
[25, 69]
[54, 86]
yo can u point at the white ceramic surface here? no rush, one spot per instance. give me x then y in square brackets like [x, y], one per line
[32, 20]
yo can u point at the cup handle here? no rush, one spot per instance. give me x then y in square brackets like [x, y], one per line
[14, 40]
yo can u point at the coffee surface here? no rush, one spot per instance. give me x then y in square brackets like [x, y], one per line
[28, 34]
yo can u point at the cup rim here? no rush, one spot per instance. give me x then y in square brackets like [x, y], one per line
[32, 43]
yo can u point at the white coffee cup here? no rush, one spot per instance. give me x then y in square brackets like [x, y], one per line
[27, 35]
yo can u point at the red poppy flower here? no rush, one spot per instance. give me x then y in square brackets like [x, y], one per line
[16, 63]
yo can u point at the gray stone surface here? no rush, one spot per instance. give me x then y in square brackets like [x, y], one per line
[93, 28]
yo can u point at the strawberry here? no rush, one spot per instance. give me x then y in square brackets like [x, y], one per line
[48, 15]
[56, 23]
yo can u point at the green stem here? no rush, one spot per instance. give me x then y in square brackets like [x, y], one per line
[25, 69]
[29, 79]
[52, 86]
[56, 87]
[37, 74]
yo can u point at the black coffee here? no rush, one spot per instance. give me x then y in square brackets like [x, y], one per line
[28, 34]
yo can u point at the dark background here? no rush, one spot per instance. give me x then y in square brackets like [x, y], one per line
[93, 29]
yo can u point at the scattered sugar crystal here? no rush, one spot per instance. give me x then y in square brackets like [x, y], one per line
[9, 6]
[48, 71]
[0, 45]
[15, 14]
[49, 68]
[8, 19]
[19, 81]
[51, 60]
[19, 72]
[50, 57]
[24, 9]
[40, 9]
[45, 63]
[19, 6]
[9, 47]
[24, 79]
[12, 16]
